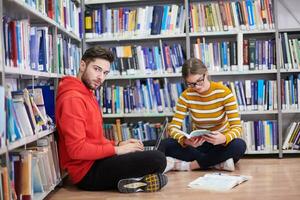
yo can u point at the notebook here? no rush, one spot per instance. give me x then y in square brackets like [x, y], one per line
[159, 138]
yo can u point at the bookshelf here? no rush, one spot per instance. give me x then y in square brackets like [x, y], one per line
[56, 54]
[187, 39]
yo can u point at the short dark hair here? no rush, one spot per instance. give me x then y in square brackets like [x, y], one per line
[193, 66]
[97, 52]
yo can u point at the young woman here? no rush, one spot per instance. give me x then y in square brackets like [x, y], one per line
[211, 106]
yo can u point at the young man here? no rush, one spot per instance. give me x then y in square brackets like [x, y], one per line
[92, 161]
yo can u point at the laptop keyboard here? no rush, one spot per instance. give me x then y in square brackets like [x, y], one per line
[148, 148]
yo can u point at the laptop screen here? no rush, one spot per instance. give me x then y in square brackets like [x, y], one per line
[159, 137]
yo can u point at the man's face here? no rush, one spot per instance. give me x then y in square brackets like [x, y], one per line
[94, 73]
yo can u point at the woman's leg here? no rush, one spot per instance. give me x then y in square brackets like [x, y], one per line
[206, 155]
[106, 173]
[220, 153]
[173, 149]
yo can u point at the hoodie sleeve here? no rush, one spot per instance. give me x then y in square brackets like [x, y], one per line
[72, 127]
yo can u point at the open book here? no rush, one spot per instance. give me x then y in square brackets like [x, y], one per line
[195, 133]
[218, 181]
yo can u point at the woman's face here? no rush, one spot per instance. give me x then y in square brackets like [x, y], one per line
[198, 82]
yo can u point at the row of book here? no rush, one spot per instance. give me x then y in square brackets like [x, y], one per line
[35, 169]
[229, 15]
[289, 51]
[146, 20]
[261, 135]
[65, 13]
[154, 95]
[290, 92]
[31, 48]
[254, 95]
[147, 60]
[222, 56]
[170, 19]
[143, 131]
[147, 96]
[217, 56]
[258, 135]
[68, 55]
[27, 47]
[259, 54]
[292, 137]
[25, 113]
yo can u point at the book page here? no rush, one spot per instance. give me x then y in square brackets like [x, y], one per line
[218, 182]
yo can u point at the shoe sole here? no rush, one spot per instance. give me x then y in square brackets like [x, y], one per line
[148, 183]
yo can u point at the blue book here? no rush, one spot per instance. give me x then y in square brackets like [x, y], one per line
[43, 51]
[181, 57]
[149, 91]
[156, 86]
[13, 131]
[131, 99]
[151, 59]
[179, 88]
[164, 18]
[146, 58]
[249, 8]
[292, 89]
[139, 103]
[158, 12]
[224, 56]
[157, 59]
[172, 100]
[260, 93]
[19, 45]
[125, 99]
[256, 136]
[49, 99]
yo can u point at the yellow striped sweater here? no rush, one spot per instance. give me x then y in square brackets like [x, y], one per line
[215, 109]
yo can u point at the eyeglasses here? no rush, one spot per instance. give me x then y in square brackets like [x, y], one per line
[199, 82]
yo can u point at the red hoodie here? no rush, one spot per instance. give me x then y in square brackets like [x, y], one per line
[79, 124]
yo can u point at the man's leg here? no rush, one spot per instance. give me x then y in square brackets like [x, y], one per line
[106, 173]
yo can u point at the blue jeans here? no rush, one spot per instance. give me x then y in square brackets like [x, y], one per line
[207, 154]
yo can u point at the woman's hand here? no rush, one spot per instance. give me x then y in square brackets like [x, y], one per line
[194, 142]
[215, 138]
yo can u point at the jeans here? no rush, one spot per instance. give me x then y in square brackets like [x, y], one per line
[207, 154]
[106, 173]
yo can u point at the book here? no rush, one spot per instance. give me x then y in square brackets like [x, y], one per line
[218, 182]
[196, 133]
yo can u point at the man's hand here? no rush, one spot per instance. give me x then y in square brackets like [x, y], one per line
[195, 141]
[131, 140]
[129, 146]
[215, 138]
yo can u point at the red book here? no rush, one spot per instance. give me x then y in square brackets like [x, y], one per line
[50, 9]
[14, 50]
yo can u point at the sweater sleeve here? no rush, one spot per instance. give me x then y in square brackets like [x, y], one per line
[179, 114]
[231, 109]
[72, 127]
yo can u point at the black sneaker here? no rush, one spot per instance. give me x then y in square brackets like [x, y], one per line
[147, 183]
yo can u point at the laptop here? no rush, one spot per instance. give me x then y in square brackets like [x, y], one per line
[159, 138]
